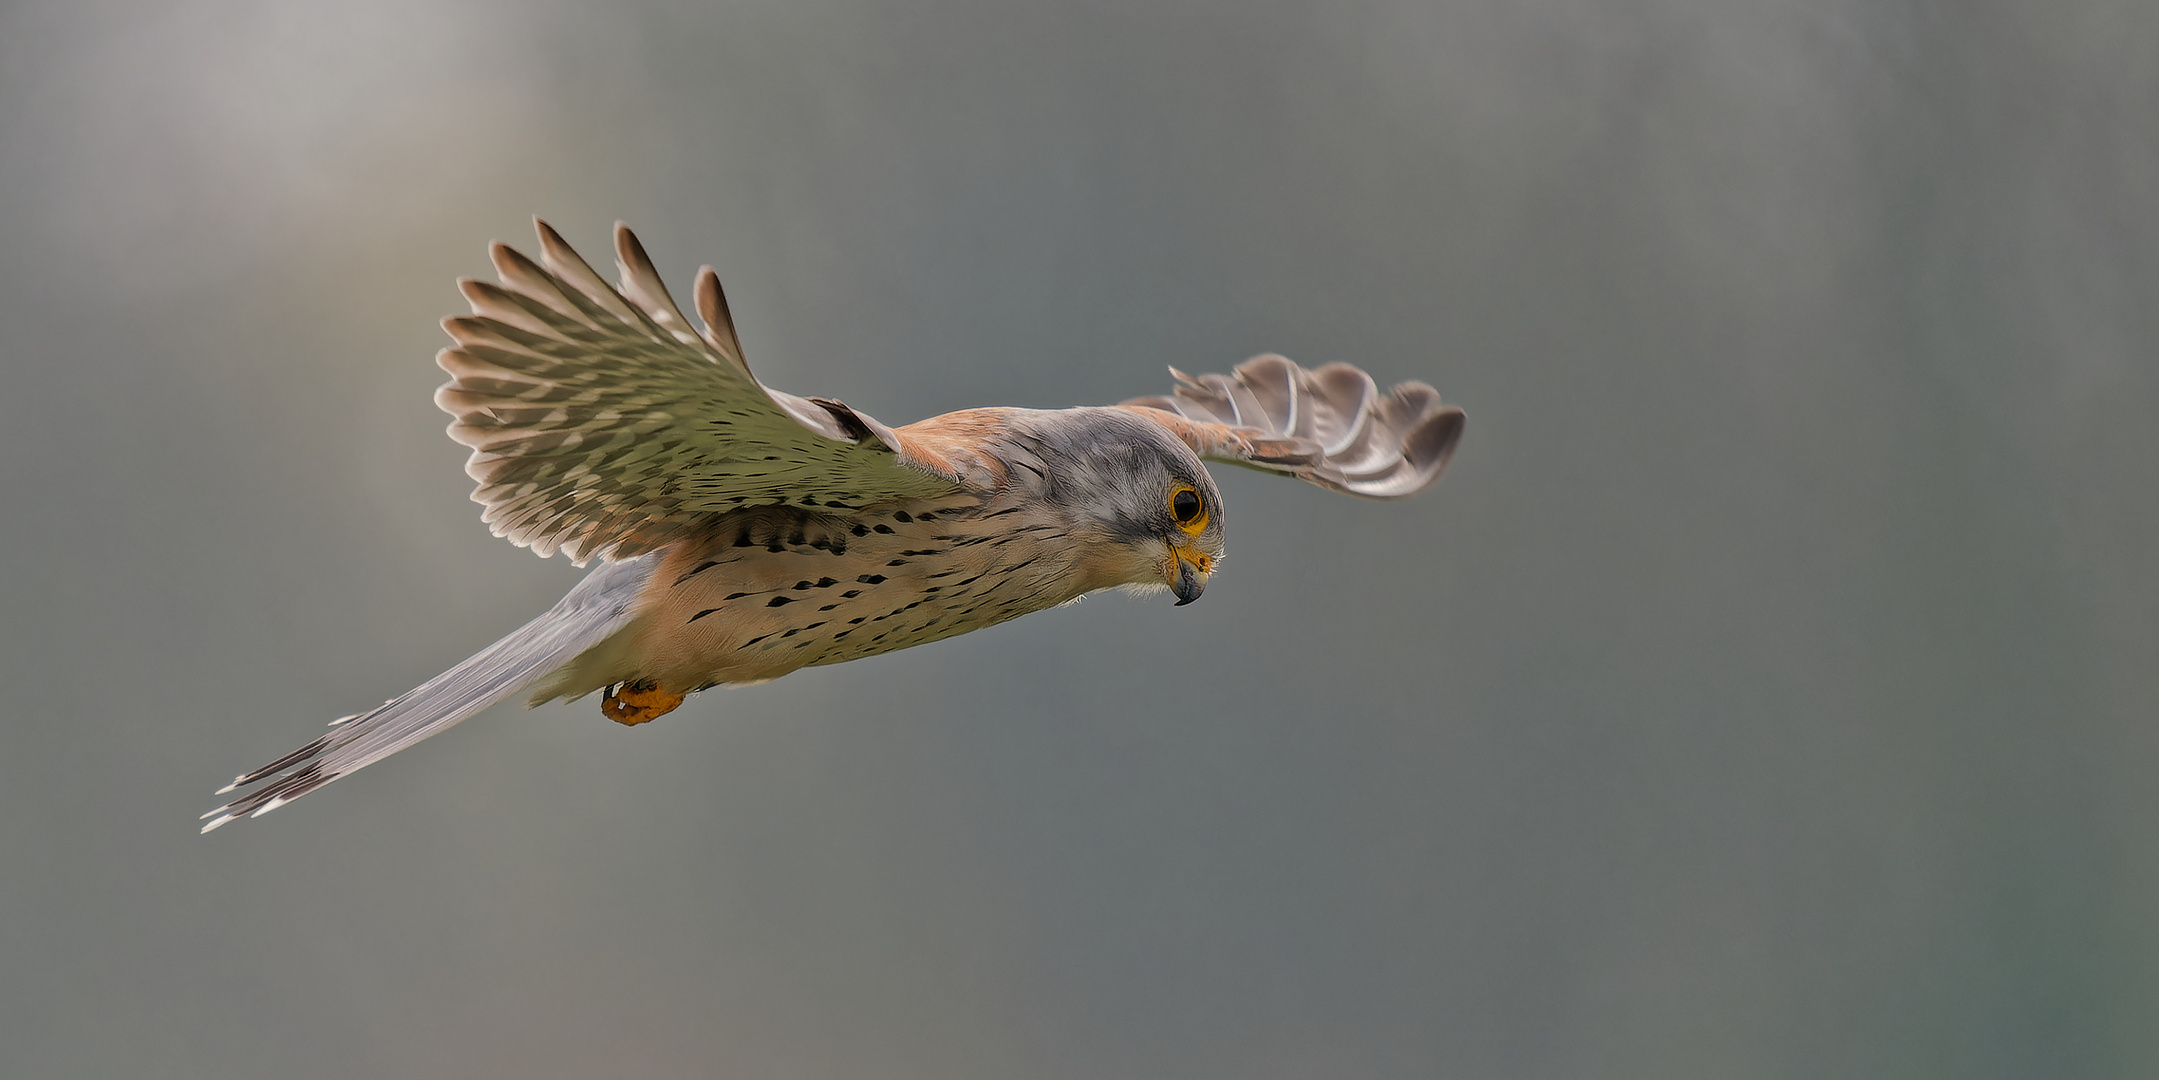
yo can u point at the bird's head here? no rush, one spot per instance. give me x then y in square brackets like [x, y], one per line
[1137, 496]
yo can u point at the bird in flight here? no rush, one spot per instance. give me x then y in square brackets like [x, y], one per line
[744, 532]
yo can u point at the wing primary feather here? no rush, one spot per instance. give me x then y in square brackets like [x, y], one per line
[493, 301]
[558, 256]
[1331, 427]
[641, 284]
[598, 310]
[523, 275]
[719, 321]
[1345, 395]
[1270, 385]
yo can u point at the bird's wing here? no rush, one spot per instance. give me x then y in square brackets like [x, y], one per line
[1330, 427]
[601, 423]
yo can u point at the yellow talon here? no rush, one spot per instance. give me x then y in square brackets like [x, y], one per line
[637, 702]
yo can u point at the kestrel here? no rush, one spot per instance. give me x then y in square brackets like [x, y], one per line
[744, 532]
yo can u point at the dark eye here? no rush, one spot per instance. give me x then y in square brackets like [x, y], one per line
[1184, 504]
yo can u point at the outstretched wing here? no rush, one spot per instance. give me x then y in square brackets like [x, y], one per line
[1331, 427]
[602, 424]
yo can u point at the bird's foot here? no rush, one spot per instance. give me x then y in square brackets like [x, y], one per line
[638, 701]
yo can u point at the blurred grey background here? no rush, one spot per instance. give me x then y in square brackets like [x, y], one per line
[1770, 690]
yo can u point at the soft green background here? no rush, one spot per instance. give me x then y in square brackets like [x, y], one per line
[1770, 690]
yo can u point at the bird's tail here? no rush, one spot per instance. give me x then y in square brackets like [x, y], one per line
[600, 605]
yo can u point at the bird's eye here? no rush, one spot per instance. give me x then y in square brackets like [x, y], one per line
[1184, 503]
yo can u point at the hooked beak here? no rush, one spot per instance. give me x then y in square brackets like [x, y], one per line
[1189, 574]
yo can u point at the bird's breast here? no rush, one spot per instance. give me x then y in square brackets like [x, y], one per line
[766, 593]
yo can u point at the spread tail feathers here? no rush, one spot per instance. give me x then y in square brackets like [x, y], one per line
[600, 605]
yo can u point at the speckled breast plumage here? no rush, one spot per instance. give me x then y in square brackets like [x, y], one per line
[780, 588]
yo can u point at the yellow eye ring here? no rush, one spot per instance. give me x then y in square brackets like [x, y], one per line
[1188, 508]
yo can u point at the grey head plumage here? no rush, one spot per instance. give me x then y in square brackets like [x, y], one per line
[1125, 482]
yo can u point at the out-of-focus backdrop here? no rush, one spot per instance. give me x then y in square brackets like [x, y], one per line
[1771, 689]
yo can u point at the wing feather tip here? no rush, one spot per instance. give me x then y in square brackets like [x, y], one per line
[501, 255]
[629, 249]
[1431, 443]
[710, 299]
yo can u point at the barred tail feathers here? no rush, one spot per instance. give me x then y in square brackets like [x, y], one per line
[601, 604]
